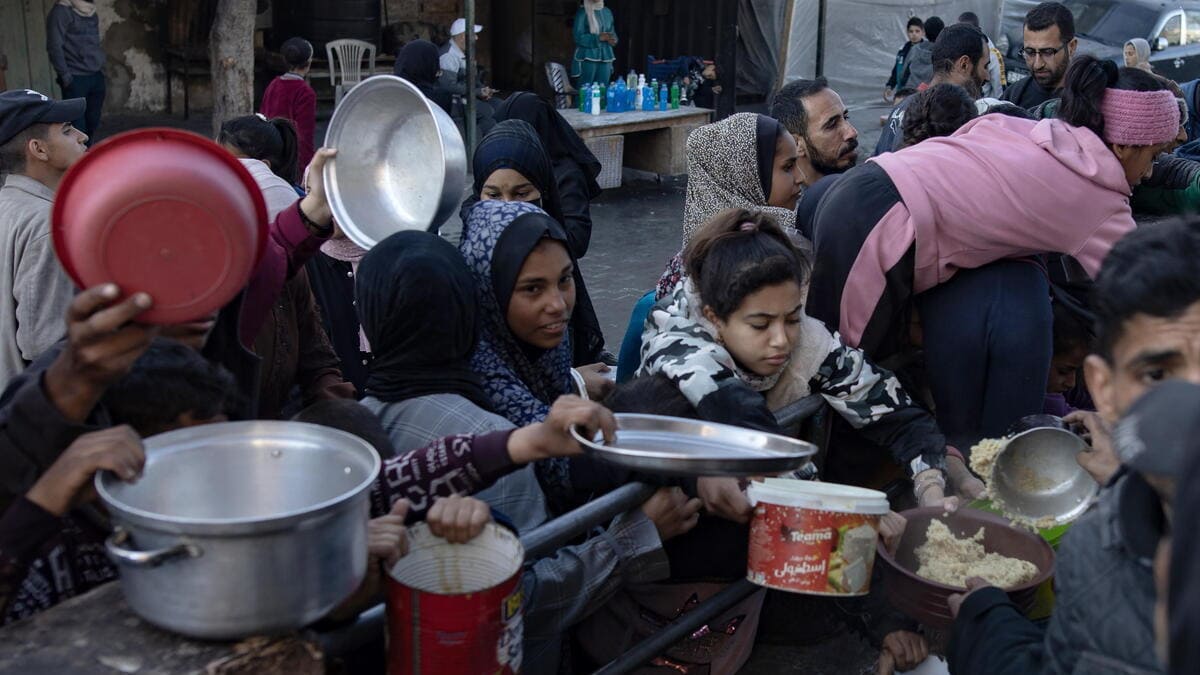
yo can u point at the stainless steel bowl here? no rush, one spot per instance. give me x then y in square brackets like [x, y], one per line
[681, 447]
[1037, 477]
[242, 528]
[401, 163]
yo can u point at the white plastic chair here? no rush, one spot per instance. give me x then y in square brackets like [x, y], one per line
[346, 70]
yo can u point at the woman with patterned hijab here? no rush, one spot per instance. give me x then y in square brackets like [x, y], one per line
[745, 161]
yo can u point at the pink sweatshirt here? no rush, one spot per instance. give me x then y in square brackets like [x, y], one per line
[1000, 187]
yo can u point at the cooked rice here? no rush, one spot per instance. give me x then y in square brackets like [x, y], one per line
[946, 559]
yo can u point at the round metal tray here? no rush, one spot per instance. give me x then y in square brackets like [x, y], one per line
[682, 447]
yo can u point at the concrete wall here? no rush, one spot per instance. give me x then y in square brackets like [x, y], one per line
[130, 31]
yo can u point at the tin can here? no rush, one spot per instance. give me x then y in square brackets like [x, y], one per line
[455, 609]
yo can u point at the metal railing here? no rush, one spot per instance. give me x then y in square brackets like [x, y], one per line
[551, 536]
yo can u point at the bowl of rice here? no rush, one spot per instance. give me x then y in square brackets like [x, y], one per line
[939, 551]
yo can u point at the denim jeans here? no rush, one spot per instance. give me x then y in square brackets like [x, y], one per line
[988, 343]
[92, 88]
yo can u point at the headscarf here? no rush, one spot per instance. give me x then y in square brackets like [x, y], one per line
[416, 304]
[724, 171]
[514, 144]
[521, 382]
[1142, 48]
[591, 7]
[418, 62]
[558, 137]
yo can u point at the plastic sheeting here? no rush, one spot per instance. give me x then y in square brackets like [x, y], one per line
[862, 37]
[760, 38]
[802, 40]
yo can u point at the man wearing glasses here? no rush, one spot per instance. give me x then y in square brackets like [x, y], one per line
[1049, 45]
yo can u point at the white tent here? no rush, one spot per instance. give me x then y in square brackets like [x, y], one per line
[862, 36]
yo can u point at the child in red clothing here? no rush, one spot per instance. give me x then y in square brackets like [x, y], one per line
[290, 96]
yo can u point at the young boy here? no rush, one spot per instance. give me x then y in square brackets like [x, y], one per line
[291, 97]
[1072, 344]
[916, 35]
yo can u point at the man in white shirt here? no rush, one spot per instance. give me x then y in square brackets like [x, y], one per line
[454, 78]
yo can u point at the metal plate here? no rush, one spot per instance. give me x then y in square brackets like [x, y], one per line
[681, 447]
[1036, 476]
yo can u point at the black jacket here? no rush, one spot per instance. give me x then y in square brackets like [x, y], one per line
[898, 66]
[1104, 601]
[1027, 93]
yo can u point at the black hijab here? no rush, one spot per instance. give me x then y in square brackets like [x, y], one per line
[416, 303]
[558, 137]
[514, 245]
[768, 132]
[513, 144]
[418, 62]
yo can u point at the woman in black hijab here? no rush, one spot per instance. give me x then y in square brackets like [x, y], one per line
[417, 62]
[514, 145]
[575, 168]
[416, 303]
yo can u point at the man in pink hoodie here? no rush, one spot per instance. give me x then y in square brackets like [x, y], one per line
[972, 209]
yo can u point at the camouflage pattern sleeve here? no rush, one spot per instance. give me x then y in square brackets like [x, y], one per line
[872, 400]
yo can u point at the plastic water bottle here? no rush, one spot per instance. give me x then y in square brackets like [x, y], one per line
[630, 98]
[639, 102]
[663, 95]
[603, 96]
[613, 105]
[631, 80]
[585, 98]
[595, 99]
[675, 95]
[648, 99]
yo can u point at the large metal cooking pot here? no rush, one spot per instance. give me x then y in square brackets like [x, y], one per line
[401, 163]
[242, 528]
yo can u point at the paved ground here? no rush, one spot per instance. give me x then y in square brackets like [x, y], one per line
[636, 231]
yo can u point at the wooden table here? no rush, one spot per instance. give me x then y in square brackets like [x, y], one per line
[97, 633]
[655, 141]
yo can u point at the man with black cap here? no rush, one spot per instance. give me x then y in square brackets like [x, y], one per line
[1147, 304]
[38, 143]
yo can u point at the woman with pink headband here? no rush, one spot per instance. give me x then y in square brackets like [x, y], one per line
[934, 248]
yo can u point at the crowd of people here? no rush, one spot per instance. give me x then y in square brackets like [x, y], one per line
[957, 282]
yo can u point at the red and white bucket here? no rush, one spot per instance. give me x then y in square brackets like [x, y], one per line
[813, 538]
[455, 609]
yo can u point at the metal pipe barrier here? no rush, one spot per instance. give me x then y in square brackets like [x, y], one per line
[553, 535]
[680, 628]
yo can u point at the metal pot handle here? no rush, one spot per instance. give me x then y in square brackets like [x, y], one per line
[146, 558]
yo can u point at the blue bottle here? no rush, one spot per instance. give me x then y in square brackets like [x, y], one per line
[619, 95]
[647, 99]
[631, 98]
[663, 97]
[585, 98]
[611, 103]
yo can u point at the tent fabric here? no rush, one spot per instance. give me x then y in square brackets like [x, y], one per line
[760, 40]
[862, 36]
[802, 41]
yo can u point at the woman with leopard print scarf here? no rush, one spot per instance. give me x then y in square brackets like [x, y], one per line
[746, 161]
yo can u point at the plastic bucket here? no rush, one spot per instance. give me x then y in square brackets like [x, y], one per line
[813, 538]
[455, 609]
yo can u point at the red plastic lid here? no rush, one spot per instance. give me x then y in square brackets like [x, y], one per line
[165, 212]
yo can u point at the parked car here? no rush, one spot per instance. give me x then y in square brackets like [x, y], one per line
[1103, 27]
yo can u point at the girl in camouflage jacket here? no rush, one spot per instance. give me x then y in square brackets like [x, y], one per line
[733, 336]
